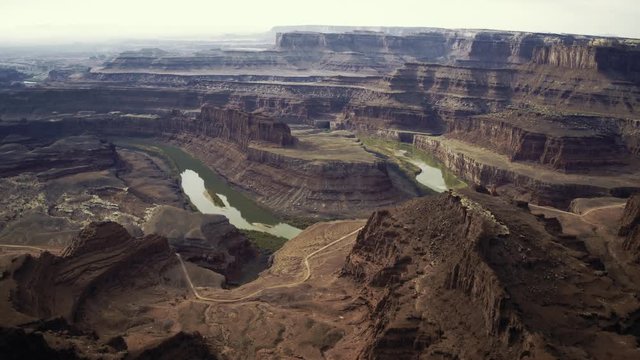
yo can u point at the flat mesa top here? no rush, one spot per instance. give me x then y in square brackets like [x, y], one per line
[314, 145]
[552, 125]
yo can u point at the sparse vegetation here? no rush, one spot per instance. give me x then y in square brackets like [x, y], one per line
[300, 222]
[174, 169]
[390, 149]
[263, 240]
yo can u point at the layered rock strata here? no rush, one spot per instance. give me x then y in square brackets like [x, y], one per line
[537, 183]
[247, 150]
[243, 128]
[297, 186]
[62, 157]
[565, 102]
[430, 278]
[101, 258]
[630, 227]
[207, 240]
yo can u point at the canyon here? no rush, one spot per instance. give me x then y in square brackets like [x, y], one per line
[530, 251]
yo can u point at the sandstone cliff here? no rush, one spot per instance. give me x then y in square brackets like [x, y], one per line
[435, 270]
[103, 258]
[619, 59]
[630, 227]
[539, 184]
[207, 240]
[569, 143]
[242, 127]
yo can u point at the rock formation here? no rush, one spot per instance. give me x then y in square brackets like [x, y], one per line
[630, 227]
[66, 156]
[242, 128]
[103, 257]
[207, 240]
[432, 277]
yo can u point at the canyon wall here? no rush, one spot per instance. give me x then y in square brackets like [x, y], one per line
[431, 44]
[545, 140]
[620, 59]
[240, 146]
[475, 265]
[103, 257]
[242, 127]
[630, 227]
[541, 186]
[299, 187]
[527, 113]
[568, 56]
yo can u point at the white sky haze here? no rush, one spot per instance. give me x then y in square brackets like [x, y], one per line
[72, 20]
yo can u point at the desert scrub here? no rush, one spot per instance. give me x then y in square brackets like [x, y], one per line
[263, 240]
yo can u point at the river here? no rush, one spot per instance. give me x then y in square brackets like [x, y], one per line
[430, 176]
[202, 185]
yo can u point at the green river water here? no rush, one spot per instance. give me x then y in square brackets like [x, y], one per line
[200, 184]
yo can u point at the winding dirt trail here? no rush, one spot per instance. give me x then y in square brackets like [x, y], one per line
[581, 216]
[575, 214]
[307, 271]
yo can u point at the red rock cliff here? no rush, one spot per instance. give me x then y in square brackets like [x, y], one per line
[242, 127]
[630, 226]
[436, 269]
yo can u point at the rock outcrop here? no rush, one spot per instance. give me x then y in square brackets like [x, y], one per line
[630, 227]
[242, 127]
[437, 269]
[102, 258]
[207, 240]
[541, 185]
[66, 156]
[570, 143]
[614, 59]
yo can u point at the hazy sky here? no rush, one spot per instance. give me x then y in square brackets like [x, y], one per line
[22, 20]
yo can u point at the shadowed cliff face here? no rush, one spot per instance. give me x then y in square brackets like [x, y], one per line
[207, 240]
[103, 258]
[453, 277]
[608, 59]
[242, 127]
[630, 227]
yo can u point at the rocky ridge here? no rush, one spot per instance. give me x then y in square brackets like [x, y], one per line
[432, 278]
[63, 157]
[630, 227]
[206, 240]
[100, 258]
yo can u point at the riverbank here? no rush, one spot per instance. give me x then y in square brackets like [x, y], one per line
[422, 169]
[209, 192]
